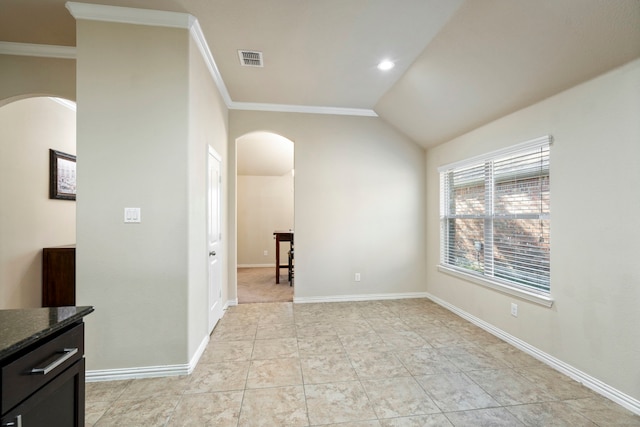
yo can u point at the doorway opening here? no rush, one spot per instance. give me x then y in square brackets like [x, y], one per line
[265, 209]
[30, 219]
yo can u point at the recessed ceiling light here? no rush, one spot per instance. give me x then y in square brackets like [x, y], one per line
[385, 65]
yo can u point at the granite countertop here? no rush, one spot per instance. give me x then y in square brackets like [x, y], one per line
[22, 327]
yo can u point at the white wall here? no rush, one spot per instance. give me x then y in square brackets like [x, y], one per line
[132, 142]
[359, 203]
[29, 220]
[595, 282]
[208, 120]
[265, 204]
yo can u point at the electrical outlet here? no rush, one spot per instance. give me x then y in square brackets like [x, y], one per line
[265, 253]
[514, 309]
[357, 279]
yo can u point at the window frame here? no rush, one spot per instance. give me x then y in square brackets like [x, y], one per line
[527, 292]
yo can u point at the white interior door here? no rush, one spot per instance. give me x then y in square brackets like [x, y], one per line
[214, 237]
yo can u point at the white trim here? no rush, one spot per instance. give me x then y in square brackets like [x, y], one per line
[71, 105]
[359, 297]
[256, 265]
[129, 15]
[532, 143]
[199, 351]
[310, 109]
[544, 300]
[230, 303]
[198, 37]
[587, 380]
[39, 50]
[136, 373]
[148, 371]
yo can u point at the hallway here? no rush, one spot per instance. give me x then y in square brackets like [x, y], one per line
[259, 285]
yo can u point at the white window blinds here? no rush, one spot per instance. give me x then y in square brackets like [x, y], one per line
[495, 216]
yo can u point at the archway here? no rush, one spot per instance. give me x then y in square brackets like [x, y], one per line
[265, 204]
[31, 221]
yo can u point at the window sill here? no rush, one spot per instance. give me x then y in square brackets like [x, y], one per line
[544, 300]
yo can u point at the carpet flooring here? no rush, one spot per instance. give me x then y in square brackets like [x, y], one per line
[259, 285]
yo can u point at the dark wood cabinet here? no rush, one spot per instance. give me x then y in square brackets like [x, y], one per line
[59, 276]
[44, 384]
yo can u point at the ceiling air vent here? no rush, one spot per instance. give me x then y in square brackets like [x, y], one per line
[250, 58]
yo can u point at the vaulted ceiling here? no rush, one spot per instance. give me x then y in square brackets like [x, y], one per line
[459, 64]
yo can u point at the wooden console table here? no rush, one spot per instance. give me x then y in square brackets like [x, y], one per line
[282, 236]
[59, 276]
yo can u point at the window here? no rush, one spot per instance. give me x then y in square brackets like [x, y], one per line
[495, 217]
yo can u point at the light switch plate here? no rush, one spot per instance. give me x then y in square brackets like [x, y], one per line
[132, 215]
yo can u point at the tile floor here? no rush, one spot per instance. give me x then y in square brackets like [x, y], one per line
[360, 364]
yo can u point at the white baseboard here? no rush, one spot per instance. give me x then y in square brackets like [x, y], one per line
[256, 266]
[148, 371]
[363, 297]
[230, 303]
[585, 379]
[136, 373]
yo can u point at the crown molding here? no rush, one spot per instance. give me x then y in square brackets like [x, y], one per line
[129, 15]
[40, 50]
[310, 109]
[203, 47]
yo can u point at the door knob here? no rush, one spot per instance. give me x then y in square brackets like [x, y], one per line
[212, 253]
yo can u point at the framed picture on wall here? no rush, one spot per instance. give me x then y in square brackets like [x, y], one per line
[62, 175]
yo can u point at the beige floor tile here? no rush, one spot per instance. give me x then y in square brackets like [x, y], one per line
[276, 330]
[471, 359]
[435, 420]
[377, 365]
[604, 412]
[280, 406]
[208, 409]
[493, 417]
[372, 423]
[455, 392]
[403, 339]
[356, 364]
[327, 368]
[315, 329]
[320, 345]
[559, 386]
[155, 387]
[398, 397]
[474, 334]
[363, 343]
[105, 391]
[352, 327]
[94, 410]
[276, 317]
[552, 414]
[234, 333]
[275, 348]
[222, 351]
[510, 356]
[141, 412]
[236, 318]
[222, 376]
[338, 402]
[442, 338]
[388, 324]
[274, 373]
[508, 387]
[425, 361]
